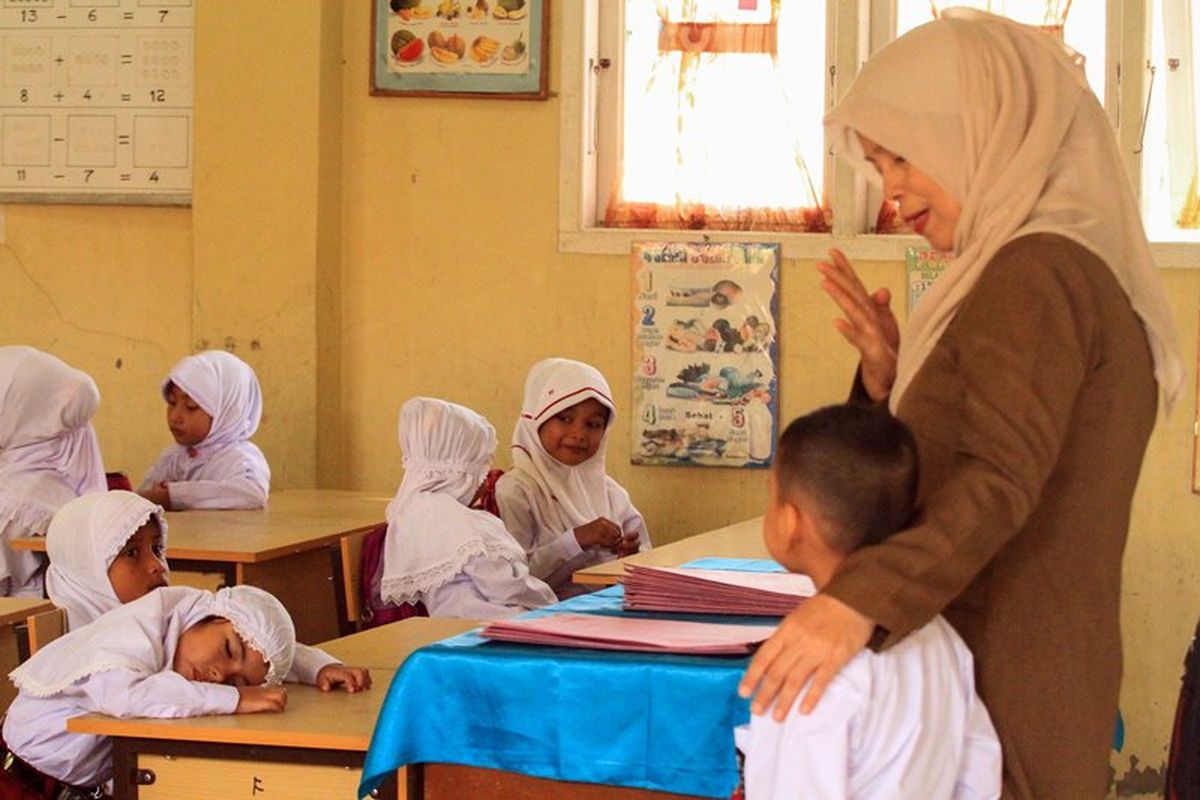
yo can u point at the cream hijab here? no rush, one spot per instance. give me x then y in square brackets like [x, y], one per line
[228, 391]
[432, 534]
[83, 540]
[574, 495]
[1001, 116]
[46, 408]
[142, 637]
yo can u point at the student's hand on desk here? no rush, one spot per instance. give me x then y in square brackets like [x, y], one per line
[253, 699]
[352, 679]
[629, 545]
[814, 641]
[600, 532]
[158, 494]
[869, 324]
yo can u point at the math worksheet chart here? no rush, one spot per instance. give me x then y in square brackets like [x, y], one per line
[96, 101]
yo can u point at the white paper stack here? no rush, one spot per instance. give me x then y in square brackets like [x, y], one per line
[715, 591]
[601, 632]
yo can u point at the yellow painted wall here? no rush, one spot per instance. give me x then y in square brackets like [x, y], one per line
[377, 248]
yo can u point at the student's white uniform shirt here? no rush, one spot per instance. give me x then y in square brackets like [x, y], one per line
[904, 723]
[458, 561]
[120, 665]
[542, 500]
[225, 470]
[48, 453]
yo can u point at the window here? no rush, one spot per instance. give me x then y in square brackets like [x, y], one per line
[669, 104]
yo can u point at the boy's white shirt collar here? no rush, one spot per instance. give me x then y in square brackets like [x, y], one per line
[574, 495]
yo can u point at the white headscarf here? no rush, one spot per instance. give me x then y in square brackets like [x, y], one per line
[84, 538]
[143, 635]
[1000, 115]
[46, 409]
[579, 493]
[228, 391]
[431, 532]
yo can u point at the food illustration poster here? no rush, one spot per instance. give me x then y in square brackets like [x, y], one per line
[705, 354]
[458, 36]
[922, 268]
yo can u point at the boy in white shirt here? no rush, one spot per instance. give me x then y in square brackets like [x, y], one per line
[904, 723]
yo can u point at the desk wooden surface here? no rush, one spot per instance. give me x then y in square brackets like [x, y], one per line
[313, 719]
[15, 609]
[739, 540]
[294, 521]
[387, 646]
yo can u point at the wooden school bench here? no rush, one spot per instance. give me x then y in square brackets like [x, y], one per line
[291, 549]
[13, 645]
[739, 540]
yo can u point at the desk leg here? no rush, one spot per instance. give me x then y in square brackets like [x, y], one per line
[304, 583]
[453, 782]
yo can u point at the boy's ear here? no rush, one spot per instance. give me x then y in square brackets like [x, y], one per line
[801, 527]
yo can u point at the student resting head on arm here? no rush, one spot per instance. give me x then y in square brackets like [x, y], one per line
[214, 405]
[110, 548]
[906, 722]
[557, 500]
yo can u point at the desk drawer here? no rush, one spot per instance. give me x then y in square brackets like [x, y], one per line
[176, 777]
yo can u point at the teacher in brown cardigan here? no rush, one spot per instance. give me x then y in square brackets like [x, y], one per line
[1029, 373]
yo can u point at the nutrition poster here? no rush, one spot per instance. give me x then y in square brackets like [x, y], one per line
[96, 101]
[922, 268]
[705, 354]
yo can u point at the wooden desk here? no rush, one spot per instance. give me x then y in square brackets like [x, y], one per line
[739, 540]
[313, 749]
[13, 612]
[387, 646]
[289, 548]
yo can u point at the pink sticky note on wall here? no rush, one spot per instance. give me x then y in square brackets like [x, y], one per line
[747, 5]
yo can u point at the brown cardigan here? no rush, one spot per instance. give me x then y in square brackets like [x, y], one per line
[1031, 416]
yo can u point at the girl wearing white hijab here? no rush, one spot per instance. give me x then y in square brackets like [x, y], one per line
[214, 405]
[1029, 374]
[557, 500]
[109, 548]
[458, 561]
[177, 652]
[48, 453]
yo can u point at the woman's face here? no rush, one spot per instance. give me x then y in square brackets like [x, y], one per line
[924, 204]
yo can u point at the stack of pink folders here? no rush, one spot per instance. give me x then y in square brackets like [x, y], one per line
[714, 591]
[600, 632]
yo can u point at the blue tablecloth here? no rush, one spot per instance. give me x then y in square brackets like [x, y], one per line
[644, 720]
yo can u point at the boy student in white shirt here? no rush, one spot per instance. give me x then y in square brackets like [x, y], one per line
[904, 723]
[109, 548]
[558, 501]
[214, 405]
[457, 561]
[48, 454]
[176, 652]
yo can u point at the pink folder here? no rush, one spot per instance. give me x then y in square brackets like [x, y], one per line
[715, 591]
[601, 632]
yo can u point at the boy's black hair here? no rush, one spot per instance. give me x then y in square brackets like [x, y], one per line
[857, 464]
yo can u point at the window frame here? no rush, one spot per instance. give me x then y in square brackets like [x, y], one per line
[853, 29]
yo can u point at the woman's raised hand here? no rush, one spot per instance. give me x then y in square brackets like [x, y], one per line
[869, 324]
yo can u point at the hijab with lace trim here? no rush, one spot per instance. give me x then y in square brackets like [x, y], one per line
[432, 534]
[1001, 116]
[142, 636]
[84, 538]
[569, 495]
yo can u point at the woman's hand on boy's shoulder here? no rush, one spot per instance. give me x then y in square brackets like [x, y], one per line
[253, 699]
[352, 679]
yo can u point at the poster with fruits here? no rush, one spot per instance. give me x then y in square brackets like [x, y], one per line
[480, 48]
[705, 354]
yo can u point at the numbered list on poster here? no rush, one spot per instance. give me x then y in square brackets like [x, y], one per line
[96, 100]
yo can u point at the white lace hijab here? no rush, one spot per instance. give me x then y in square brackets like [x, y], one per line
[1001, 116]
[432, 533]
[84, 538]
[142, 636]
[228, 391]
[568, 496]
